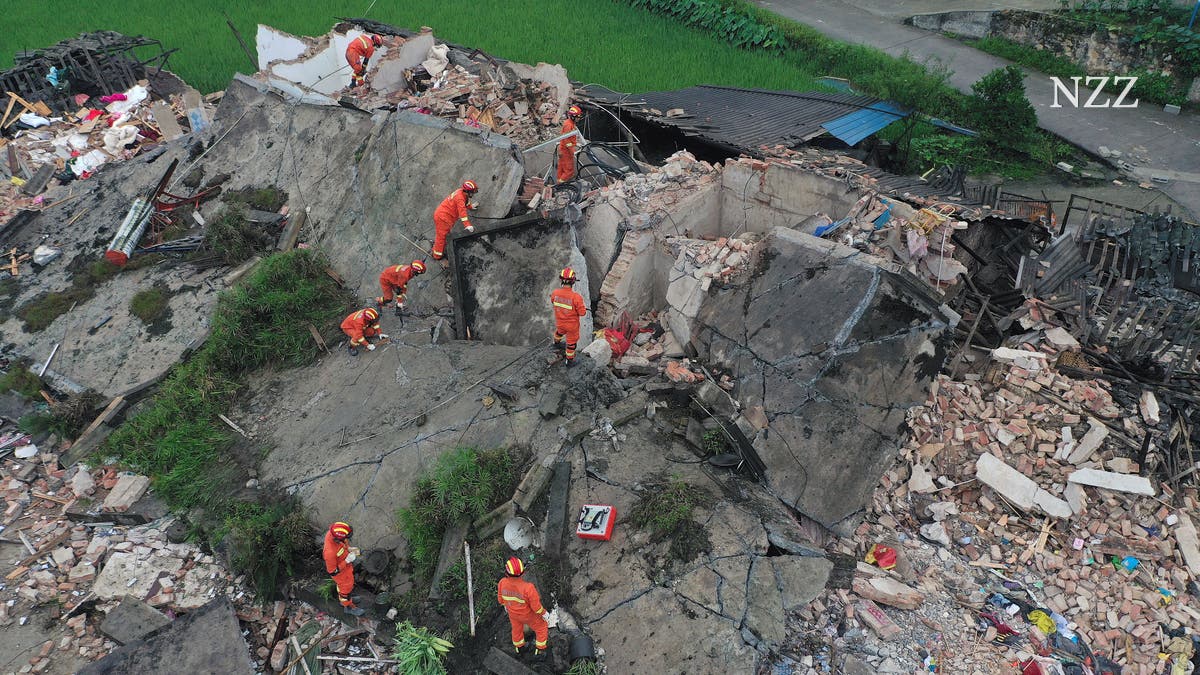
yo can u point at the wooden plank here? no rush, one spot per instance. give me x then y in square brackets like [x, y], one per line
[105, 415]
[45, 548]
[7, 110]
[42, 109]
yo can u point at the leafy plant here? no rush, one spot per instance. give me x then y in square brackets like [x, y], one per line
[418, 651]
[464, 484]
[327, 589]
[584, 667]
[231, 237]
[714, 442]
[1000, 112]
[663, 508]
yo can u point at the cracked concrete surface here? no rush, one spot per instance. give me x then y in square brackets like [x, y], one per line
[732, 601]
[835, 346]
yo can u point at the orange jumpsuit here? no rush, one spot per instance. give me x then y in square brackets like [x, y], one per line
[395, 278]
[358, 328]
[358, 52]
[452, 209]
[342, 572]
[568, 307]
[524, 607]
[566, 152]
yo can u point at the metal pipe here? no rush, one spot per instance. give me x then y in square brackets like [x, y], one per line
[553, 140]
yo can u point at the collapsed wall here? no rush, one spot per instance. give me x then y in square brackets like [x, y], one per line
[832, 348]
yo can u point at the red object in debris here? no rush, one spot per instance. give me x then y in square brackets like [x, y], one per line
[80, 99]
[109, 98]
[883, 556]
[117, 258]
[596, 522]
[92, 114]
[1031, 667]
[618, 342]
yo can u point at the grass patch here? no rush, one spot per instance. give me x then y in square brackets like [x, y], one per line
[487, 568]
[261, 199]
[231, 237]
[464, 485]
[584, 668]
[177, 438]
[668, 512]
[20, 379]
[149, 305]
[44, 308]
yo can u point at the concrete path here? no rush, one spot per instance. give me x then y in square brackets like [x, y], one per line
[1157, 143]
[902, 9]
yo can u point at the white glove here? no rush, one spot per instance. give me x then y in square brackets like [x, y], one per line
[545, 616]
[370, 347]
[470, 228]
[383, 336]
[401, 305]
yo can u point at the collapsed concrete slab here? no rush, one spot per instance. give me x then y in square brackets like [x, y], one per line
[504, 275]
[208, 640]
[835, 346]
[317, 64]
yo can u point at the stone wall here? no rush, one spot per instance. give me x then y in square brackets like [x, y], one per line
[1099, 52]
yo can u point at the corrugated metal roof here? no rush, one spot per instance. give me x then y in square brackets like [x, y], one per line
[852, 128]
[744, 118]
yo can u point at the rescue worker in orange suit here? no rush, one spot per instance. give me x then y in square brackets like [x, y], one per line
[361, 325]
[339, 564]
[568, 307]
[567, 146]
[524, 606]
[358, 53]
[395, 279]
[453, 209]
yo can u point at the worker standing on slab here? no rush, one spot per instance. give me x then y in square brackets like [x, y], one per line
[339, 563]
[453, 209]
[358, 53]
[394, 279]
[524, 606]
[567, 146]
[361, 325]
[568, 307]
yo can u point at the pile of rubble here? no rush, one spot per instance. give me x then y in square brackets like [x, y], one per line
[1025, 484]
[110, 128]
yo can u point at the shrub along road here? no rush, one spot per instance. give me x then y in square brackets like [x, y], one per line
[1172, 142]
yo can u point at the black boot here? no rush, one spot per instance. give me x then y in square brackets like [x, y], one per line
[571, 362]
[353, 350]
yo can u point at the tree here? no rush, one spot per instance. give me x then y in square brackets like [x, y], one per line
[1000, 112]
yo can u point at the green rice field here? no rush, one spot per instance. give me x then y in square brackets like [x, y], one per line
[598, 41]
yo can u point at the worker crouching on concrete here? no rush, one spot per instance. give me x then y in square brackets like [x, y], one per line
[361, 325]
[568, 307]
[524, 606]
[339, 558]
[567, 146]
[358, 53]
[453, 209]
[395, 279]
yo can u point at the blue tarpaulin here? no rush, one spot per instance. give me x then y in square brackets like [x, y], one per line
[854, 127]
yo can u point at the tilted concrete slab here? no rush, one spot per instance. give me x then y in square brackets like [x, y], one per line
[505, 275]
[208, 640]
[835, 346]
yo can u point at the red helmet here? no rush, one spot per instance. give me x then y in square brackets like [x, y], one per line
[470, 186]
[567, 275]
[574, 111]
[370, 314]
[376, 40]
[514, 567]
[341, 530]
[418, 266]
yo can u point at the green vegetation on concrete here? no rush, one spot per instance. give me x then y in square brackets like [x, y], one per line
[584, 668]
[418, 651]
[231, 237]
[67, 418]
[264, 199]
[1152, 87]
[1162, 24]
[714, 442]
[149, 304]
[179, 441]
[20, 379]
[86, 276]
[465, 484]
[668, 512]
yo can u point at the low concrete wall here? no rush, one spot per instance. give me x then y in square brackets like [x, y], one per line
[758, 199]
